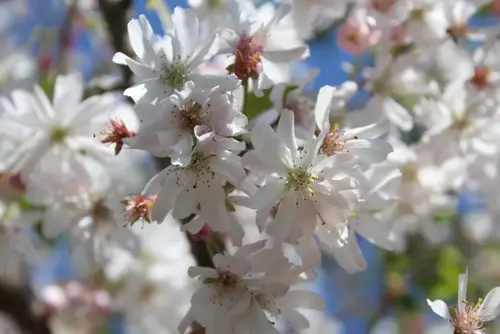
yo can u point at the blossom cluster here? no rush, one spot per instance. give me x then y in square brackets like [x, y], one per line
[308, 174]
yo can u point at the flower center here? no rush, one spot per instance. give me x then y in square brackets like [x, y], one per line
[116, 133]
[458, 30]
[147, 291]
[100, 212]
[460, 123]
[481, 77]
[175, 76]
[191, 115]
[58, 134]
[418, 14]
[409, 174]
[247, 58]
[300, 179]
[198, 163]
[138, 208]
[467, 321]
[333, 143]
[224, 282]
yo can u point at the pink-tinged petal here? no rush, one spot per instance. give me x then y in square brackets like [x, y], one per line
[490, 307]
[440, 308]
[353, 37]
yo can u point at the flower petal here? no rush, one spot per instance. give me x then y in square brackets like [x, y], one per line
[440, 308]
[490, 307]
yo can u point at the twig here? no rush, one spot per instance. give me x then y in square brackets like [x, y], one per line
[116, 16]
[64, 39]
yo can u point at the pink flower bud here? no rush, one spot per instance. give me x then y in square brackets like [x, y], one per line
[353, 37]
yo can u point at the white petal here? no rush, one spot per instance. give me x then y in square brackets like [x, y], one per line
[268, 194]
[120, 58]
[237, 266]
[369, 150]
[490, 307]
[269, 146]
[323, 106]
[68, 92]
[212, 199]
[280, 227]
[286, 131]
[397, 114]
[202, 271]
[286, 56]
[440, 308]
[171, 186]
[309, 252]
[141, 37]
[186, 30]
[462, 289]
[186, 201]
[56, 222]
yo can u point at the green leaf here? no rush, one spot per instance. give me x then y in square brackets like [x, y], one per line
[257, 105]
[25, 205]
[47, 83]
[402, 49]
[485, 10]
[449, 266]
[445, 218]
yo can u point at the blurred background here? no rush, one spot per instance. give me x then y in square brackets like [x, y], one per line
[43, 37]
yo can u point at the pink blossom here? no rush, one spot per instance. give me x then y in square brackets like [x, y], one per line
[204, 233]
[354, 37]
[495, 7]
